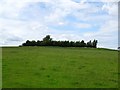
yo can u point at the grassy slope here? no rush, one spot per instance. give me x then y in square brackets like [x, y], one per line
[32, 67]
[0, 67]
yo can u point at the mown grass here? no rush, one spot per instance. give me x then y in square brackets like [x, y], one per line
[57, 67]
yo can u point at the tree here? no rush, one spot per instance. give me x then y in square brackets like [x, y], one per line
[118, 48]
[89, 44]
[47, 40]
[72, 44]
[77, 44]
[33, 43]
[28, 43]
[83, 44]
[94, 43]
[39, 43]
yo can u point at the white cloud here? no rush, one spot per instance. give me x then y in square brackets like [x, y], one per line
[23, 19]
[107, 35]
[111, 8]
[101, 1]
[82, 25]
[12, 8]
[109, 1]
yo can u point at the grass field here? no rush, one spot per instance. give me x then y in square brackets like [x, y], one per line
[57, 67]
[0, 67]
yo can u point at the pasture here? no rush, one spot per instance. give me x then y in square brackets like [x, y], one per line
[59, 67]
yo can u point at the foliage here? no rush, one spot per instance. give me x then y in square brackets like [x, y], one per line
[47, 41]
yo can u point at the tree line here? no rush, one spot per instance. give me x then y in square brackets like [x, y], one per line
[47, 41]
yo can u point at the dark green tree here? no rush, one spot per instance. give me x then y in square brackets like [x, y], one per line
[47, 40]
[28, 43]
[83, 44]
[89, 44]
[39, 43]
[94, 43]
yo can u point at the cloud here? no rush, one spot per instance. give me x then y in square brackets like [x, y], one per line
[33, 19]
[108, 1]
[111, 8]
[9, 38]
[107, 35]
[82, 25]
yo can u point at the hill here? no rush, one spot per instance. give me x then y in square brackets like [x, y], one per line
[56, 67]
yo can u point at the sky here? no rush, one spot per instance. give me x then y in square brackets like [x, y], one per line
[72, 20]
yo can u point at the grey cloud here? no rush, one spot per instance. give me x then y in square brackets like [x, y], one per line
[7, 38]
[14, 38]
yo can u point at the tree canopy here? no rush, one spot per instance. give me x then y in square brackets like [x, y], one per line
[47, 41]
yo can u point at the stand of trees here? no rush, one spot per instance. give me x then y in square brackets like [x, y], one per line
[47, 41]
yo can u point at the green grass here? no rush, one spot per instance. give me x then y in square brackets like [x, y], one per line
[0, 68]
[57, 67]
